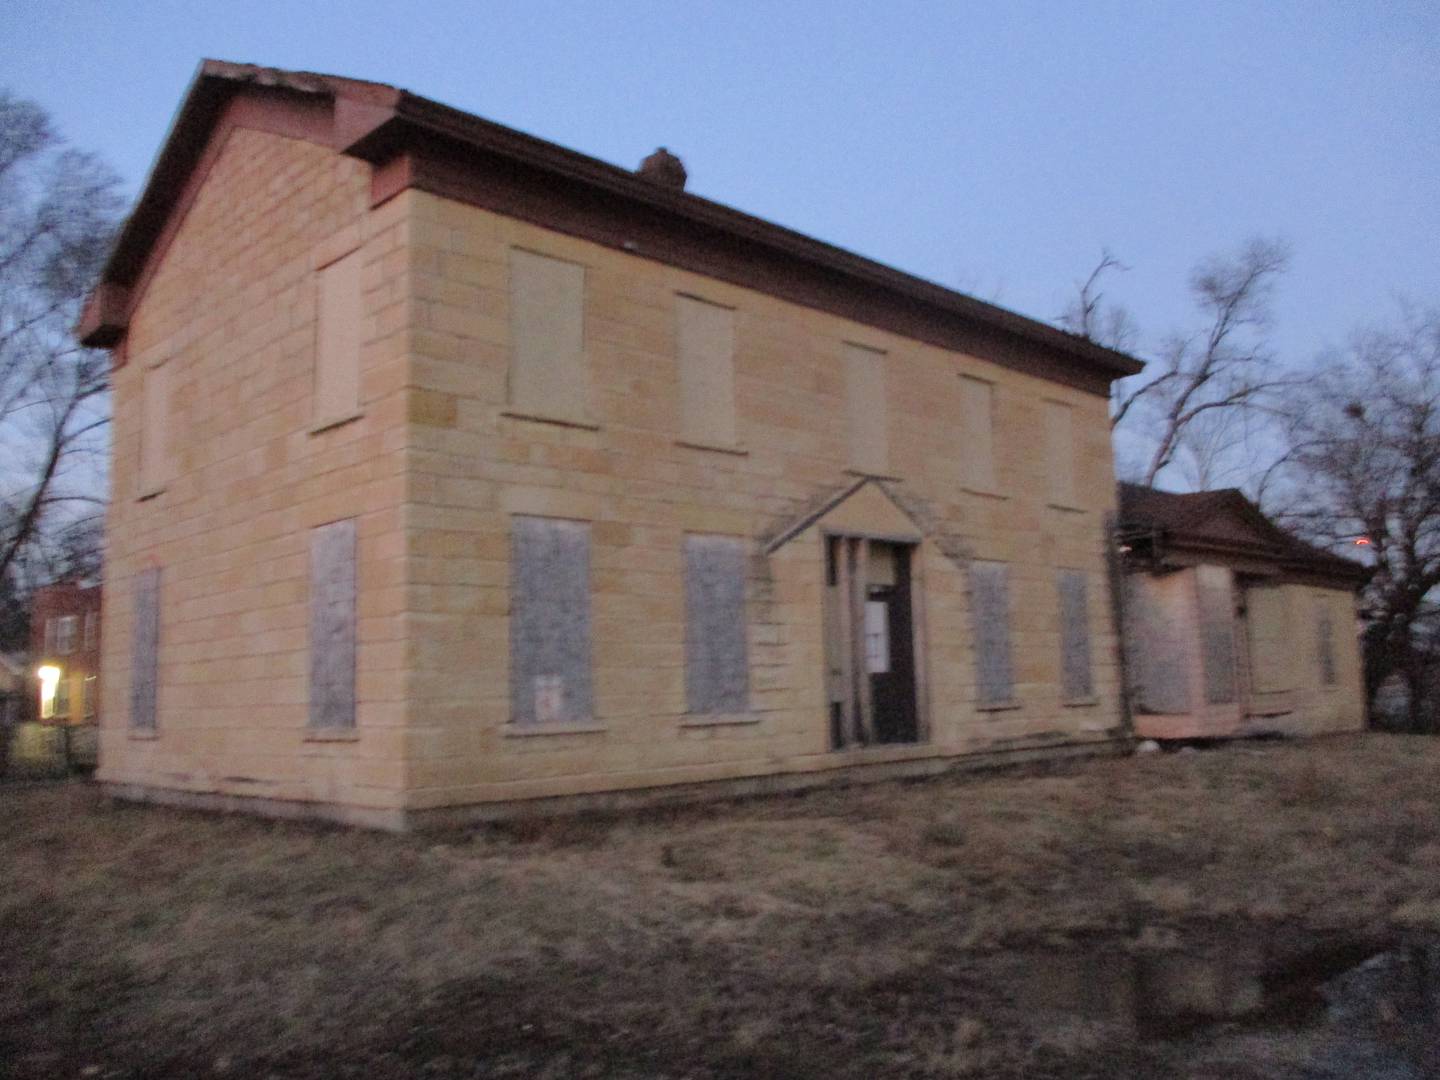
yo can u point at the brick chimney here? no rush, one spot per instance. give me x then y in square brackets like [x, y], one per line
[664, 168]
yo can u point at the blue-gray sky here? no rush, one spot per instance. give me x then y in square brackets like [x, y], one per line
[993, 147]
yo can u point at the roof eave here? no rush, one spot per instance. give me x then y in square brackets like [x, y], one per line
[373, 121]
[436, 118]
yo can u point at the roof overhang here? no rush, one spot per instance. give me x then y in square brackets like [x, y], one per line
[1269, 552]
[415, 142]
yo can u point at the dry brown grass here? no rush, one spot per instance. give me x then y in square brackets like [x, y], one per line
[839, 934]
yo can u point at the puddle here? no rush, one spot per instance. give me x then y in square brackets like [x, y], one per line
[1325, 1005]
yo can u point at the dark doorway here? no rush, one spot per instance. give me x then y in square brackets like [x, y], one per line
[870, 642]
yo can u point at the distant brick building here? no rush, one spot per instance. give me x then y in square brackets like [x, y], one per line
[65, 621]
[456, 472]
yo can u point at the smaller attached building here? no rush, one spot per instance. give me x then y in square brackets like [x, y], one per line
[1231, 625]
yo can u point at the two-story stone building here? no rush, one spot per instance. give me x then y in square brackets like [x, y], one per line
[456, 472]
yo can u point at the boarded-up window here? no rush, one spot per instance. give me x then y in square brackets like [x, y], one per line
[550, 679]
[977, 432]
[145, 655]
[1059, 437]
[866, 409]
[92, 629]
[337, 341]
[1267, 625]
[706, 345]
[155, 430]
[332, 625]
[1217, 633]
[1325, 642]
[990, 604]
[717, 678]
[1076, 683]
[1157, 647]
[548, 374]
[50, 629]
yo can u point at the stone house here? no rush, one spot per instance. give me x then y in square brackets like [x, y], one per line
[456, 472]
[1232, 625]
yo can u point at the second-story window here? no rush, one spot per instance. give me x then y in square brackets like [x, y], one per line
[977, 430]
[65, 634]
[866, 409]
[1059, 436]
[549, 378]
[338, 338]
[705, 334]
[155, 460]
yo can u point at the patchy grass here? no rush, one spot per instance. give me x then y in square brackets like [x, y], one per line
[847, 933]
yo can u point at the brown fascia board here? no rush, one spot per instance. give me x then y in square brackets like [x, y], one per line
[1322, 568]
[377, 123]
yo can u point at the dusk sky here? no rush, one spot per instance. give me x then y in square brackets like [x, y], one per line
[994, 148]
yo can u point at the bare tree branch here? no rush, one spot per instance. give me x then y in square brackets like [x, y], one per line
[1364, 462]
[58, 209]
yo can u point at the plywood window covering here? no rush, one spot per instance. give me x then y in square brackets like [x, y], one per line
[1217, 633]
[706, 347]
[1325, 642]
[990, 611]
[1076, 681]
[1059, 438]
[550, 676]
[548, 374]
[1267, 616]
[155, 430]
[717, 677]
[332, 625]
[50, 627]
[977, 430]
[1156, 647]
[145, 655]
[338, 338]
[866, 409]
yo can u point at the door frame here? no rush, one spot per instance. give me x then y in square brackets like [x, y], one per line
[847, 619]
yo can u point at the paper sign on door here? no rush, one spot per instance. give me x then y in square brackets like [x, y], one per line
[877, 637]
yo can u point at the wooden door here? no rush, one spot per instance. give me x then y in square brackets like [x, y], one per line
[871, 643]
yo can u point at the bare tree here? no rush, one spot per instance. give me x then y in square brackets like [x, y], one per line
[1224, 368]
[1090, 316]
[1364, 466]
[58, 209]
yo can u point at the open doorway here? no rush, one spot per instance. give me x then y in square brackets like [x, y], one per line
[870, 642]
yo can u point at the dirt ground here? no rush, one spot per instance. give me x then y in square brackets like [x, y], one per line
[889, 930]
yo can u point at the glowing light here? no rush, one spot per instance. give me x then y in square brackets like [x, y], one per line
[1362, 541]
[49, 680]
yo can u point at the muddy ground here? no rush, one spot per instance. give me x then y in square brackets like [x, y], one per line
[970, 925]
